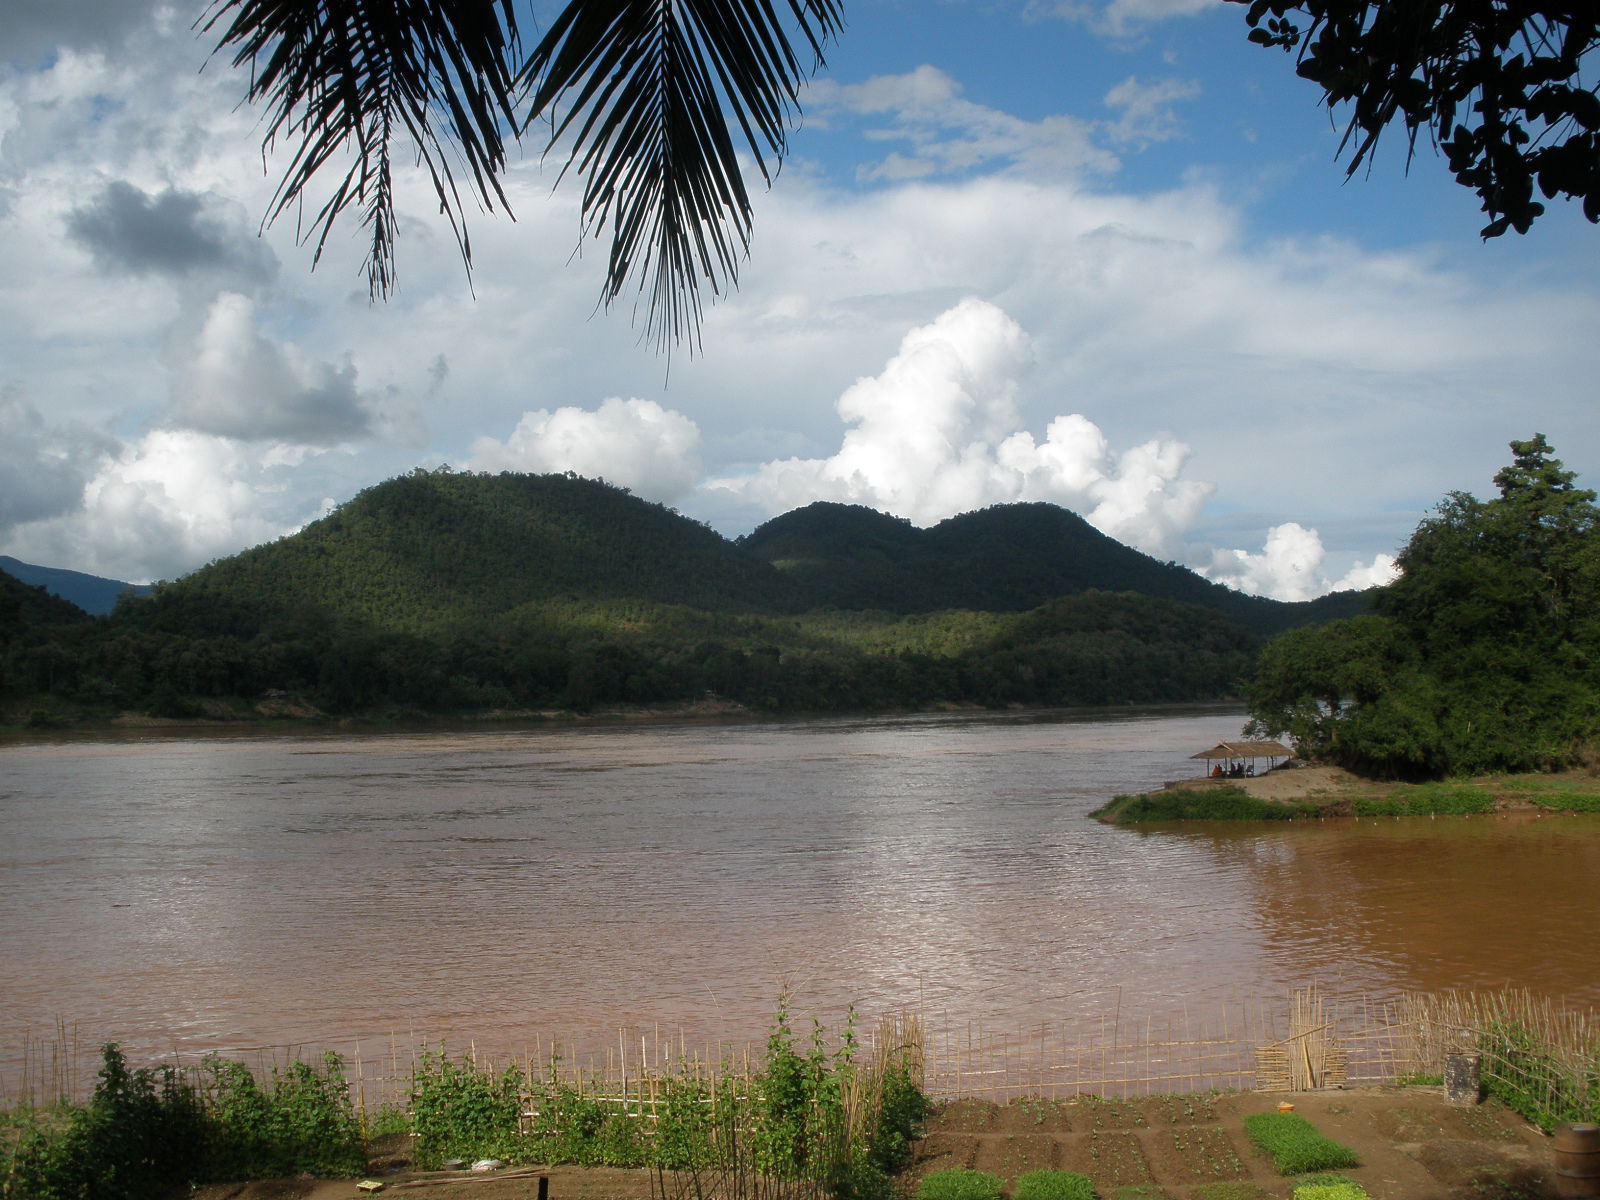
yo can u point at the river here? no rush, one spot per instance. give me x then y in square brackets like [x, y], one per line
[195, 891]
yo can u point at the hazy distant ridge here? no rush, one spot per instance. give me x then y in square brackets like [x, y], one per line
[91, 593]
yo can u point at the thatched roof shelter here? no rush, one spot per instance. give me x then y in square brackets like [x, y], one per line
[1246, 750]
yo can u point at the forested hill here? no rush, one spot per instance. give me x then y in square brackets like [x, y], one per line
[1009, 558]
[432, 549]
[440, 592]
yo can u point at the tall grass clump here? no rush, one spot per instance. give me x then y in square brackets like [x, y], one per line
[959, 1183]
[1295, 1146]
[815, 1122]
[1053, 1185]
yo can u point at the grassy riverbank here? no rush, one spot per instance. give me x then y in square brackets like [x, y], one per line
[1317, 792]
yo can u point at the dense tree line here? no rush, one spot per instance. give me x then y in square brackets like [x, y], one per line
[1090, 649]
[1483, 656]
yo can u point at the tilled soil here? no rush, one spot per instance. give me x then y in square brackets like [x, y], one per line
[1412, 1145]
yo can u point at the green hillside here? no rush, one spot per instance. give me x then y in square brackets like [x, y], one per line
[434, 549]
[1008, 558]
[440, 593]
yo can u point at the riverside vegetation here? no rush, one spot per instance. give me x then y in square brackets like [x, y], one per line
[822, 1120]
[1476, 680]
[833, 1121]
[457, 593]
[1482, 657]
[1569, 792]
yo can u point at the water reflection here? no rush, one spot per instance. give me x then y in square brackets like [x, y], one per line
[495, 885]
[1426, 905]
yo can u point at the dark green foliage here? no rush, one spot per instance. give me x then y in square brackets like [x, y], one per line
[1499, 87]
[433, 549]
[1223, 803]
[1484, 656]
[1053, 1185]
[147, 1134]
[302, 1121]
[461, 1111]
[1294, 1145]
[137, 1138]
[23, 606]
[960, 1183]
[1522, 1070]
[903, 1108]
[1008, 558]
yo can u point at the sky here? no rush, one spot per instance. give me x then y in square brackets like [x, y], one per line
[1100, 253]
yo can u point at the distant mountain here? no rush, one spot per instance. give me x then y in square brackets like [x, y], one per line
[1008, 558]
[24, 606]
[432, 549]
[89, 592]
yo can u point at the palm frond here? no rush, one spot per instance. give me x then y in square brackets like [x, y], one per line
[650, 91]
[343, 78]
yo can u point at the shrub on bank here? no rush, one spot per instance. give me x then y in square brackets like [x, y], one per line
[146, 1132]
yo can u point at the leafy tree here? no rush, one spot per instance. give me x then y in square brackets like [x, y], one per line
[1496, 84]
[660, 98]
[1485, 655]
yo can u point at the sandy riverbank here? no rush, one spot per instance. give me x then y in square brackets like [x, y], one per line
[1336, 789]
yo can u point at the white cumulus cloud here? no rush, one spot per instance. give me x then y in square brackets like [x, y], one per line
[651, 450]
[935, 434]
[161, 505]
[1290, 567]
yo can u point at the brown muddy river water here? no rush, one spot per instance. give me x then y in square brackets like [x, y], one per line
[215, 891]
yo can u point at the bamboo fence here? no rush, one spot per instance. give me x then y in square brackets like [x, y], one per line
[1309, 1042]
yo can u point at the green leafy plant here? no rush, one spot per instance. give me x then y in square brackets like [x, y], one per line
[1523, 1070]
[959, 1184]
[1053, 1185]
[138, 1137]
[1294, 1145]
[460, 1110]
